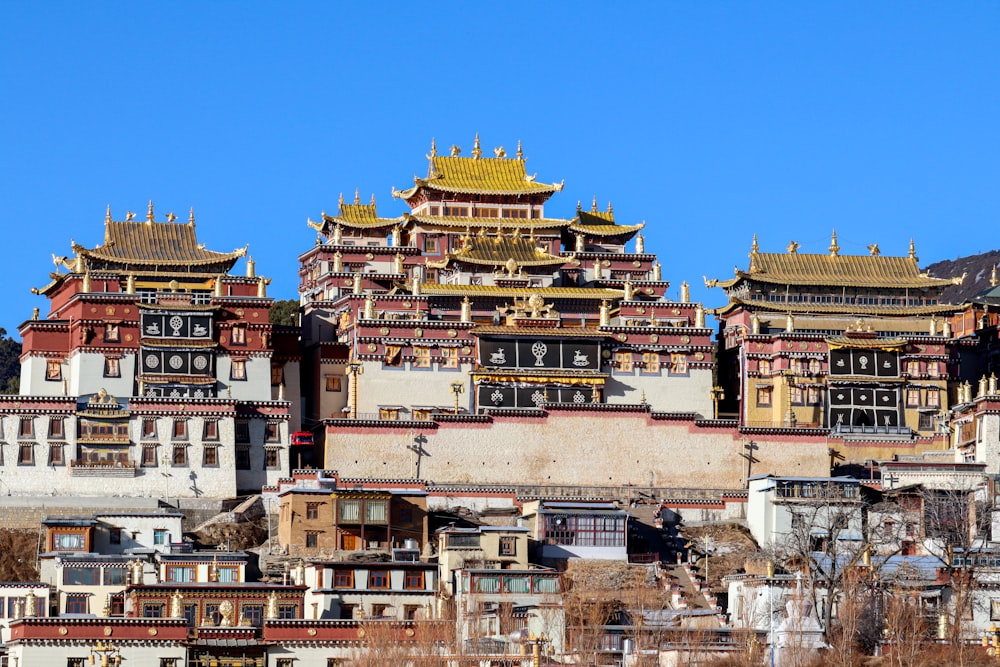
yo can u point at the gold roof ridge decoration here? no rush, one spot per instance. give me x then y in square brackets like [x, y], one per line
[499, 249]
[498, 175]
[153, 243]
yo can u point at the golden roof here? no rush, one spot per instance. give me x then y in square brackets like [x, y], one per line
[841, 270]
[434, 289]
[156, 243]
[498, 175]
[500, 250]
[355, 216]
[600, 223]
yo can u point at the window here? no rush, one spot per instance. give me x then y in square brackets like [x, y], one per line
[389, 414]
[933, 369]
[312, 540]
[117, 606]
[272, 458]
[277, 375]
[76, 662]
[238, 370]
[795, 365]
[995, 610]
[508, 546]
[149, 456]
[404, 514]
[421, 357]
[159, 536]
[380, 610]
[813, 396]
[180, 455]
[26, 454]
[333, 383]
[347, 612]
[678, 364]
[430, 244]
[272, 432]
[651, 363]
[56, 428]
[171, 662]
[284, 662]
[764, 396]
[191, 613]
[913, 398]
[913, 368]
[243, 431]
[624, 361]
[343, 578]
[53, 370]
[212, 614]
[376, 511]
[111, 368]
[81, 576]
[239, 335]
[111, 332]
[115, 535]
[814, 366]
[312, 510]
[796, 395]
[152, 610]
[180, 429]
[349, 510]
[210, 456]
[252, 614]
[410, 612]
[288, 611]
[229, 574]
[413, 580]
[76, 604]
[243, 457]
[56, 455]
[181, 573]
[449, 357]
[115, 576]
[933, 398]
[148, 428]
[456, 211]
[378, 579]
[210, 430]
[26, 428]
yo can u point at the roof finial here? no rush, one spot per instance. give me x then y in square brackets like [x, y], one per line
[593, 205]
[520, 153]
[873, 250]
[455, 150]
[107, 216]
[578, 206]
[191, 217]
[993, 276]
[373, 199]
[476, 151]
[753, 246]
[149, 212]
[434, 149]
[340, 202]
[834, 248]
[913, 250]
[611, 209]
[357, 196]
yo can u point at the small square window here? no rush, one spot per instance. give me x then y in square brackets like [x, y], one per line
[26, 454]
[239, 335]
[277, 375]
[53, 370]
[148, 428]
[333, 383]
[111, 367]
[272, 432]
[180, 429]
[238, 370]
[343, 578]
[111, 332]
[378, 579]
[56, 428]
[149, 456]
[26, 428]
[312, 510]
[312, 540]
[272, 458]
[211, 430]
[115, 536]
[242, 431]
[508, 546]
[76, 604]
[764, 396]
[243, 457]
[413, 580]
[180, 455]
[159, 536]
[56, 455]
[678, 364]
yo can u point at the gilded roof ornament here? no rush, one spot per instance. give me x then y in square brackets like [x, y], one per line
[357, 196]
[434, 149]
[578, 206]
[873, 250]
[129, 216]
[993, 276]
[611, 208]
[520, 153]
[499, 152]
[372, 203]
[792, 248]
[149, 211]
[912, 254]
[340, 202]
[107, 216]
[455, 150]
[477, 152]
[753, 246]
[171, 217]
[191, 217]
[834, 248]
[593, 205]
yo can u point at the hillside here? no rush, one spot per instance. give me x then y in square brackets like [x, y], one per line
[977, 269]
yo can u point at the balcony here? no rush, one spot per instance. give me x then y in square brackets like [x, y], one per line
[102, 468]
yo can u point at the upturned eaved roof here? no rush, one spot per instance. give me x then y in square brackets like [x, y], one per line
[840, 270]
[474, 291]
[600, 223]
[456, 222]
[355, 216]
[148, 242]
[500, 250]
[478, 175]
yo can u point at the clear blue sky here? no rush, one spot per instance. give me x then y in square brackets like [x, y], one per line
[709, 120]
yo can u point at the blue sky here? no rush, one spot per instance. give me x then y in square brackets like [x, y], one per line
[708, 120]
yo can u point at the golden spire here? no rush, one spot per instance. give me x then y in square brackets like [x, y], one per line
[873, 250]
[357, 196]
[578, 206]
[191, 217]
[149, 212]
[520, 153]
[107, 216]
[455, 150]
[913, 250]
[476, 151]
[611, 209]
[753, 246]
[993, 276]
[834, 248]
[373, 199]
[434, 149]
[593, 205]
[340, 201]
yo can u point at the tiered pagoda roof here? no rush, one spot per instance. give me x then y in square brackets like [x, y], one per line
[354, 216]
[600, 223]
[477, 175]
[501, 250]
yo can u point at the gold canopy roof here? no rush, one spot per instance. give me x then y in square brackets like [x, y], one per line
[600, 223]
[457, 222]
[148, 242]
[836, 269]
[501, 250]
[355, 216]
[474, 291]
[478, 175]
[835, 308]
